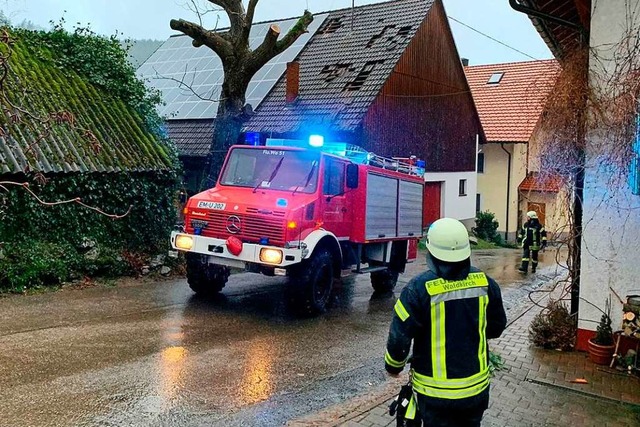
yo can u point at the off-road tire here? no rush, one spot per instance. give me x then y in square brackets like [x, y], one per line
[384, 281]
[312, 282]
[203, 278]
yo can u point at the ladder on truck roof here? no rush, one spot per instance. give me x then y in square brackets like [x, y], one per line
[410, 166]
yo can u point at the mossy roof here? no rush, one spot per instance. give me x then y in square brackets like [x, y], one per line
[55, 121]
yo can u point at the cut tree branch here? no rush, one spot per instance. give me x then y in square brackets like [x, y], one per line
[203, 37]
[248, 20]
[295, 32]
[271, 47]
[235, 11]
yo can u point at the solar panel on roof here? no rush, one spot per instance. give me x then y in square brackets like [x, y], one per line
[178, 61]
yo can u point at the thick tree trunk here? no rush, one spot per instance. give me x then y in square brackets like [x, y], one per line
[232, 113]
[240, 64]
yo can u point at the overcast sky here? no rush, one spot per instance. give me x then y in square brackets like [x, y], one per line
[149, 19]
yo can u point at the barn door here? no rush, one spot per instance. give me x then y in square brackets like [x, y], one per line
[432, 202]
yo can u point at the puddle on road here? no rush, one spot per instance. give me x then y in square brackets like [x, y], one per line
[257, 376]
[502, 265]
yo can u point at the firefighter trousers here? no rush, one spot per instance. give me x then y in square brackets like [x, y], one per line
[529, 255]
[441, 417]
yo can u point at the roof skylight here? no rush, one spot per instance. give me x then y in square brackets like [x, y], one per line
[495, 78]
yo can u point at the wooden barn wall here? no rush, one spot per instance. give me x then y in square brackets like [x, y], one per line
[425, 108]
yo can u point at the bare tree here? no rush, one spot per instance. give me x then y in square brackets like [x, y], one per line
[240, 64]
[590, 124]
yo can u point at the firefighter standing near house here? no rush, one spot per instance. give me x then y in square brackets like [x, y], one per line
[448, 312]
[533, 237]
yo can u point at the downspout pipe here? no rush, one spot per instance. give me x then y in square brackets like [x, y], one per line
[506, 232]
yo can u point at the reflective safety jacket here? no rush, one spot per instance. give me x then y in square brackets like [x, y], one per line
[532, 235]
[449, 322]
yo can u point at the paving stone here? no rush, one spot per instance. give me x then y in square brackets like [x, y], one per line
[534, 389]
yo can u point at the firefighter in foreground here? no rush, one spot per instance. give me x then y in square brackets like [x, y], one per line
[533, 238]
[449, 312]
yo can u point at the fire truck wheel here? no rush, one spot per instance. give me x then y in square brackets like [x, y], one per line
[384, 281]
[312, 284]
[205, 279]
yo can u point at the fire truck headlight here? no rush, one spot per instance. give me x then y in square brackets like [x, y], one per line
[291, 225]
[270, 256]
[184, 242]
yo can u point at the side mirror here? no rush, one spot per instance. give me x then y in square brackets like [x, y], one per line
[352, 176]
[182, 197]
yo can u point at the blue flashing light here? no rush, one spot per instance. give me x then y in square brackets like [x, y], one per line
[316, 141]
[252, 138]
[264, 241]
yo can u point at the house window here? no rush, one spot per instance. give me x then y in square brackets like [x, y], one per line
[635, 161]
[462, 187]
[333, 177]
[495, 78]
[480, 162]
[478, 203]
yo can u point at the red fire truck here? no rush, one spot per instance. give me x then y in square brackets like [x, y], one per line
[308, 213]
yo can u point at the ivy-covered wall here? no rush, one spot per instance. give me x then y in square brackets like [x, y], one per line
[135, 166]
[46, 245]
[150, 196]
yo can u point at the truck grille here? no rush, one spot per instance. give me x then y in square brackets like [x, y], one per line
[279, 214]
[252, 228]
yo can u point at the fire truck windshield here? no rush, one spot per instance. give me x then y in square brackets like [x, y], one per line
[272, 169]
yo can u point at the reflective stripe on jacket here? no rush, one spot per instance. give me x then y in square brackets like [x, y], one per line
[532, 235]
[449, 323]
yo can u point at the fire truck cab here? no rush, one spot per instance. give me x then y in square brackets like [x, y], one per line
[309, 213]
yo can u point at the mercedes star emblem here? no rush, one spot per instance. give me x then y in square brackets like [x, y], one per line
[234, 224]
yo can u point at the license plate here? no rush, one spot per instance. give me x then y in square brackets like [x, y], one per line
[212, 205]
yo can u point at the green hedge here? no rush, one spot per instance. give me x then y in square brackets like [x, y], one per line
[89, 76]
[46, 245]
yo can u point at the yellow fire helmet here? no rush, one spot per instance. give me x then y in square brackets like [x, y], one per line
[532, 214]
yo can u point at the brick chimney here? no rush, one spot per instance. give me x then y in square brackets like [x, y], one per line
[293, 81]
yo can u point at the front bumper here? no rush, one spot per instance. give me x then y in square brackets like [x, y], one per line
[218, 253]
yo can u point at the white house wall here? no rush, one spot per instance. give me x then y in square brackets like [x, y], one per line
[611, 238]
[492, 183]
[610, 248]
[455, 206]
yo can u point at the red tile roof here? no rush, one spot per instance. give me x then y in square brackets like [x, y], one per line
[509, 110]
[543, 183]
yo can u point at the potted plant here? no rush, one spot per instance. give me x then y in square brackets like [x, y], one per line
[601, 346]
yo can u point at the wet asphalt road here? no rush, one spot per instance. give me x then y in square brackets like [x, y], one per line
[154, 355]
